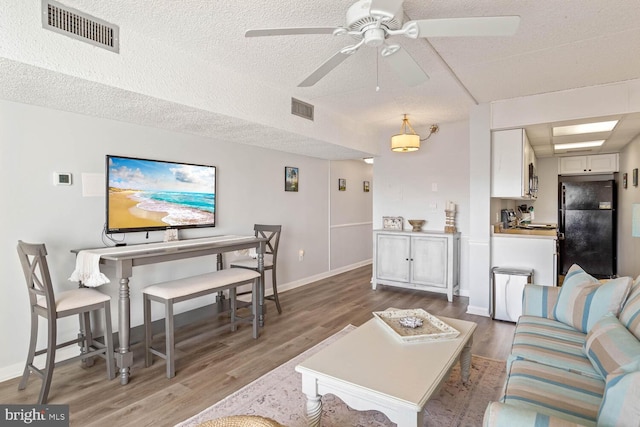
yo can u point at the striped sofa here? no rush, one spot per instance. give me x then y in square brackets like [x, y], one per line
[575, 356]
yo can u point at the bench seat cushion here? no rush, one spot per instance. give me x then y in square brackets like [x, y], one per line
[551, 343]
[554, 392]
[194, 284]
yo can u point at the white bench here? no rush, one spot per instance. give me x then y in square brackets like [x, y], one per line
[171, 292]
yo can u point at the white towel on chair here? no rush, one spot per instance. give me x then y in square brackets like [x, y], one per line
[247, 252]
[88, 270]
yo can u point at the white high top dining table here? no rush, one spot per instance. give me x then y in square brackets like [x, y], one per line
[369, 369]
[124, 258]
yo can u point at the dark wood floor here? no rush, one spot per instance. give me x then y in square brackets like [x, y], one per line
[211, 366]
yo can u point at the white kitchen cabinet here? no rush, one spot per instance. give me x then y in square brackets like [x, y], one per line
[537, 253]
[597, 163]
[511, 155]
[427, 261]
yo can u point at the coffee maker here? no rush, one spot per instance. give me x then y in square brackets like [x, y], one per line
[508, 218]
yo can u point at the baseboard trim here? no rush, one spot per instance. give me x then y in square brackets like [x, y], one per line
[479, 311]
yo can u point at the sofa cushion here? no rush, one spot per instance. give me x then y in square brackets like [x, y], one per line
[630, 314]
[499, 414]
[583, 300]
[610, 346]
[620, 403]
[554, 392]
[551, 343]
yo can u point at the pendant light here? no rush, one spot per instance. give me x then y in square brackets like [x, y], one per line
[405, 142]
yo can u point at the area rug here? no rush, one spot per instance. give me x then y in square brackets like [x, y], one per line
[277, 395]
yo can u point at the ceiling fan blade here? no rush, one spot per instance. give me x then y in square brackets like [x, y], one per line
[404, 66]
[324, 69]
[465, 27]
[385, 8]
[289, 31]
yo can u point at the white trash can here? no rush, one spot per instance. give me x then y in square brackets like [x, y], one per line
[508, 287]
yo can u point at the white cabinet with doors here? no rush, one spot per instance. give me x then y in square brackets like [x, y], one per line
[513, 164]
[427, 261]
[597, 163]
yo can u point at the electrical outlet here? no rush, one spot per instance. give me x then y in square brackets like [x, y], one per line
[300, 254]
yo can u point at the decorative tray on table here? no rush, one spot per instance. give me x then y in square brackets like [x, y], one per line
[415, 325]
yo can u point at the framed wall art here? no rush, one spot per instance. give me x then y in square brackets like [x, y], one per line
[624, 180]
[342, 184]
[365, 186]
[635, 177]
[392, 223]
[290, 178]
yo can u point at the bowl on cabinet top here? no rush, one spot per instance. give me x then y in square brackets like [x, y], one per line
[417, 224]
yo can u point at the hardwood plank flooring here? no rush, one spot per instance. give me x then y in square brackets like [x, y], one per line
[210, 366]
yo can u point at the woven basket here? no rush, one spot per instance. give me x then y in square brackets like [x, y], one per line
[241, 421]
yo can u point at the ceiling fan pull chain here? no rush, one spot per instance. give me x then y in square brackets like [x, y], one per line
[377, 72]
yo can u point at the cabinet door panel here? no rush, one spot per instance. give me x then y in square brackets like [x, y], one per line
[392, 258]
[429, 265]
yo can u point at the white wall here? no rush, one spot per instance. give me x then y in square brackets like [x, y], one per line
[351, 210]
[628, 246]
[36, 141]
[417, 185]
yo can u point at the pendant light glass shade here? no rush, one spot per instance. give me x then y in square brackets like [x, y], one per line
[405, 142]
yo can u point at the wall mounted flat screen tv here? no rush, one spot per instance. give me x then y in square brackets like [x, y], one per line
[146, 195]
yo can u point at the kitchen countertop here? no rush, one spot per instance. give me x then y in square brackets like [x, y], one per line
[527, 232]
[538, 230]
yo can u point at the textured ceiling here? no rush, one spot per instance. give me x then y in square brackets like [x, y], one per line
[559, 45]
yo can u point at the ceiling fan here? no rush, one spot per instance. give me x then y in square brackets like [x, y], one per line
[372, 22]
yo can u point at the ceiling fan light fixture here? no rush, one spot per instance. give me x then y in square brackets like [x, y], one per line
[405, 142]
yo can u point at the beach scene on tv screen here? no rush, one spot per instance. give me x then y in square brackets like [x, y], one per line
[147, 193]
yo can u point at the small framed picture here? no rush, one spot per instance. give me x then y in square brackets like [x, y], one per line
[635, 177]
[392, 222]
[624, 180]
[365, 186]
[290, 178]
[342, 184]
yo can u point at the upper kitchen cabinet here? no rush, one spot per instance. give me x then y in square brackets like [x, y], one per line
[598, 163]
[513, 165]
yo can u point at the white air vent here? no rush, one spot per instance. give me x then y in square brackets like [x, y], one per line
[79, 25]
[302, 109]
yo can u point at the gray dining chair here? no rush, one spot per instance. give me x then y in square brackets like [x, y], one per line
[272, 234]
[45, 303]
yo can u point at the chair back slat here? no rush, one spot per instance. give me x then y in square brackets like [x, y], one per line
[272, 234]
[33, 258]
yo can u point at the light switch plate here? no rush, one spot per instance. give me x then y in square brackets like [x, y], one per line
[62, 178]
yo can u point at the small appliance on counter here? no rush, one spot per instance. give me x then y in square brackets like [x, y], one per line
[508, 218]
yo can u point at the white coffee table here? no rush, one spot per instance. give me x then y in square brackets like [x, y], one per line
[370, 369]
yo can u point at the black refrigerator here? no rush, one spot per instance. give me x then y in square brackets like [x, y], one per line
[587, 227]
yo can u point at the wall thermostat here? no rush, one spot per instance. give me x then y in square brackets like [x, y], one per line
[62, 178]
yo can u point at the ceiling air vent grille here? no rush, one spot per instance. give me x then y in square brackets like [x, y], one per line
[302, 109]
[79, 25]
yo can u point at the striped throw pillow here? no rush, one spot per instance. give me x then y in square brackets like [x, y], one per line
[610, 346]
[619, 406]
[583, 300]
[630, 314]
